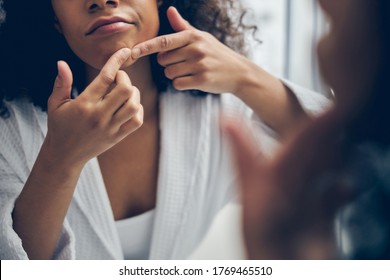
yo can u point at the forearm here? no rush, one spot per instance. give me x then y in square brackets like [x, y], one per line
[41, 208]
[270, 99]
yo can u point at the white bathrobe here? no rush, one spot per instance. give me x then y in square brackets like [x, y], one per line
[195, 178]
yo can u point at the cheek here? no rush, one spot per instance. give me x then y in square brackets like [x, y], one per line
[149, 21]
[73, 40]
[84, 50]
[150, 28]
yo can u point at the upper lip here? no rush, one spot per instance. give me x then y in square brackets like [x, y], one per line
[104, 21]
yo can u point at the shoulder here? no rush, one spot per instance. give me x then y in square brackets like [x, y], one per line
[23, 122]
[19, 111]
[9, 123]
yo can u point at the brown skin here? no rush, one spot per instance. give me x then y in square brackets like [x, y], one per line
[112, 114]
[130, 175]
[283, 217]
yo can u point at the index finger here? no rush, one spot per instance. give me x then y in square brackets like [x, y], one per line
[109, 71]
[161, 44]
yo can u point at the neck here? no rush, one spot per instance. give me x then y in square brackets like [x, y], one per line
[140, 74]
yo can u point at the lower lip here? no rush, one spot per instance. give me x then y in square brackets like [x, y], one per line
[112, 28]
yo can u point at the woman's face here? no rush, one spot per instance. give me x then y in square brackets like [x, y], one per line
[349, 54]
[95, 29]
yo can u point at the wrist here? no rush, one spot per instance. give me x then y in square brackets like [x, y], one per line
[249, 80]
[52, 160]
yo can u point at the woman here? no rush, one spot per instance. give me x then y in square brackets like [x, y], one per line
[337, 165]
[129, 167]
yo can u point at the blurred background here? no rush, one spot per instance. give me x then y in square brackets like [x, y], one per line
[288, 31]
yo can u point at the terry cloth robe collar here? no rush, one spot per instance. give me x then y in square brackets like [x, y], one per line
[185, 124]
[185, 134]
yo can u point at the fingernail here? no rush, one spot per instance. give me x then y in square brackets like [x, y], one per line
[136, 53]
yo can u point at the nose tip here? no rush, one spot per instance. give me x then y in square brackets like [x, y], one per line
[99, 5]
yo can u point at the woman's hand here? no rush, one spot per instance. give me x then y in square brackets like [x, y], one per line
[107, 111]
[288, 203]
[194, 59]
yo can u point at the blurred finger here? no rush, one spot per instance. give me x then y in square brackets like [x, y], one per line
[245, 153]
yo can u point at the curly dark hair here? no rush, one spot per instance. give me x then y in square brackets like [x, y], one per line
[30, 45]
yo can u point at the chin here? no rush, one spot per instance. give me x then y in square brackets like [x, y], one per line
[97, 60]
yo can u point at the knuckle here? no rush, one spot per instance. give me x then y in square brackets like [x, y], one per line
[168, 73]
[204, 78]
[93, 118]
[132, 125]
[106, 78]
[165, 42]
[203, 66]
[195, 35]
[132, 107]
[138, 121]
[145, 49]
[111, 131]
[122, 95]
[84, 109]
[199, 51]
[125, 90]
[135, 93]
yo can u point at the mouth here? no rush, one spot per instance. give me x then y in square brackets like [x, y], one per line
[108, 25]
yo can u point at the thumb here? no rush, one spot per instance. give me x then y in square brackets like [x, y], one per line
[62, 85]
[177, 22]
